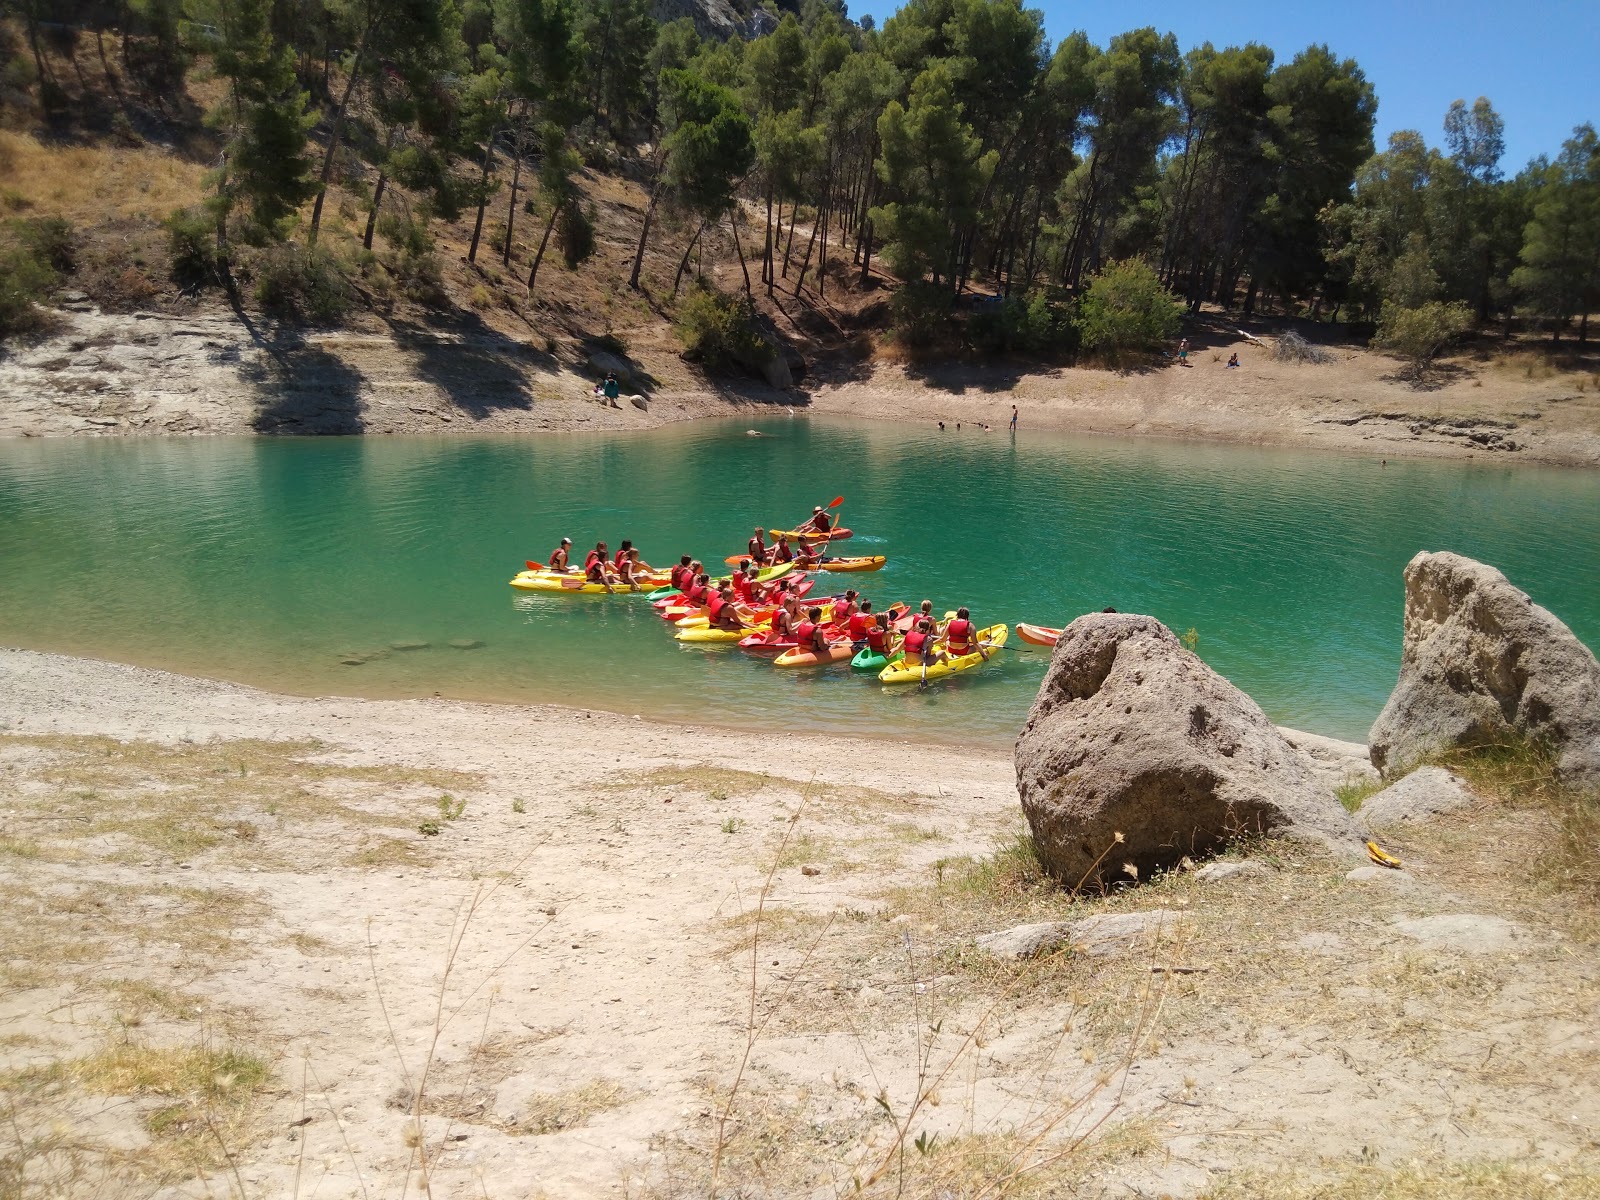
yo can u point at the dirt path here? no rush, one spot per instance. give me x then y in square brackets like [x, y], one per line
[206, 867]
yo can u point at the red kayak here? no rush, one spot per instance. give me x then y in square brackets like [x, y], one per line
[1039, 635]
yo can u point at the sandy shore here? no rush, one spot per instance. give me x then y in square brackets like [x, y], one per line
[212, 371]
[559, 955]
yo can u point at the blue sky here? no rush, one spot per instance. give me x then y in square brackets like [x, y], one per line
[1538, 61]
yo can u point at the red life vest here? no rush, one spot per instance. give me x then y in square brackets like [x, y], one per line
[596, 572]
[558, 559]
[594, 557]
[697, 593]
[677, 578]
[858, 626]
[958, 635]
[757, 550]
[782, 553]
[715, 605]
[741, 587]
[803, 632]
[916, 640]
[878, 639]
[616, 559]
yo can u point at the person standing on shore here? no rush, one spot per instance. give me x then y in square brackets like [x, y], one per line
[1013, 418]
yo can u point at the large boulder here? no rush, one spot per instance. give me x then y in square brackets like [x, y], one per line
[1479, 660]
[1132, 734]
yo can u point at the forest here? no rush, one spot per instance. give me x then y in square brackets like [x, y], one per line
[954, 146]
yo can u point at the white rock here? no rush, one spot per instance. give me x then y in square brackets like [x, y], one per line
[1216, 872]
[1425, 793]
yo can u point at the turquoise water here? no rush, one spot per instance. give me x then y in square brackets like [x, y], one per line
[268, 560]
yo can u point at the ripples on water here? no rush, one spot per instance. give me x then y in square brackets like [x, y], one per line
[267, 560]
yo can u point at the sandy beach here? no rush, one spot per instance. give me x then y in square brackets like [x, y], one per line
[621, 958]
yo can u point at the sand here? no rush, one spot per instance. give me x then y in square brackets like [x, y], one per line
[596, 1006]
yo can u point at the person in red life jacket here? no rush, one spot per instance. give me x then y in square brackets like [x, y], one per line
[919, 643]
[631, 571]
[598, 571]
[598, 554]
[626, 550]
[810, 633]
[780, 552]
[676, 576]
[783, 620]
[558, 557]
[858, 624]
[722, 611]
[758, 545]
[880, 639]
[743, 583]
[961, 637]
[819, 522]
[699, 590]
[622, 552]
[845, 609]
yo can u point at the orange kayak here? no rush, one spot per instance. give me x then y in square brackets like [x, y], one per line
[1039, 635]
[837, 652]
[867, 562]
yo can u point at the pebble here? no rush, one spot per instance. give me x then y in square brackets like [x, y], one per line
[465, 643]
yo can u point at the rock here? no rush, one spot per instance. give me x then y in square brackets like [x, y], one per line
[1133, 735]
[1336, 763]
[465, 643]
[1374, 874]
[1470, 932]
[640, 403]
[808, 869]
[754, 433]
[353, 660]
[1425, 793]
[408, 645]
[602, 362]
[1479, 659]
[1216, 872]
[1098, 935]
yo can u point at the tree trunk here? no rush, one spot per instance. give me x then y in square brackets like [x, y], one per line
[766, 253]
[788, 246]
[483, 194]
[372, 216]
[683, 265]
[335, 132]
[733, 222]
[644, 236]
[555, 211]
[511, 209]
[866, 253]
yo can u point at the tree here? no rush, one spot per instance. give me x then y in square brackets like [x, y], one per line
[1125, 308]
[618, 36]
[1560, 272]
[556, 192]
[708, 149]
[1419, 332]
[933, 168]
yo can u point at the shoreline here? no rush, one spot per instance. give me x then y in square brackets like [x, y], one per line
[149, 374]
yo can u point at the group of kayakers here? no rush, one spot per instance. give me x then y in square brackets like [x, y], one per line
[624, 569]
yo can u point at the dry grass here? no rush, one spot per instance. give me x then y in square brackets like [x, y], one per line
[1460, 1181]
[91, 183]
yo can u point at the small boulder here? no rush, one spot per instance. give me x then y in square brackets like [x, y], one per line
[1216, 872]
[1026, 941]
[408, 644]
[602, 362]
[640, 403]
[1480, 659]
[1100, 935]
[1133, 735]
[1472, 933]
[1425, 793]
[465, 643]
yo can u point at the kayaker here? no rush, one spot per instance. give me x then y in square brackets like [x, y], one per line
[879, 638]
[843, 612]
[783, 619]
[622, 552]
[677, 577]
[598, 572]
[858, 624]
[598, 554]
[810, 635]
[626, 568]
[758, 545]
[819, 522]
[780, 553]
[558, 557]
[743, 583]
[699, 589]
[919, 643]
[961, 636]
[722, 611]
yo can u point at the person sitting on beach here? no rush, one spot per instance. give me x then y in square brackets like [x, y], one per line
[558, 557]
[1233, 359]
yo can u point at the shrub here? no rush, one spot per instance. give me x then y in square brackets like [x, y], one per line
[413, 262]
[24, 281]
[191, 243]
[50, 240]
[719, 330]
[1293, 348]
[919, 314]
[1125, 309]
[1418, 334]
[302, 284]
[575, 235]
[1031, 324]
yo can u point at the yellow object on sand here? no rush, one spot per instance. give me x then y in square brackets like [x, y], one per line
[1377, 855]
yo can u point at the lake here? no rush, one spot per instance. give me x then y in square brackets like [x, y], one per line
[271, 560]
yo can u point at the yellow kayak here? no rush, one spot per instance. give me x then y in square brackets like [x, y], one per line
[991, 639]
[704, 633]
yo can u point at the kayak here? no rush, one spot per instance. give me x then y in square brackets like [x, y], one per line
[837, 652]
[870, 660]
[646, 579]
[704, 633]
[836, 535]
[872, 562]
[568, 585]
[1039, 635]
[905, 621]
[994, 637]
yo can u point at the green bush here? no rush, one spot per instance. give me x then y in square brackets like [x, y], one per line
[24, 281]
[302, 284]
[575, 235]
[720, 330]
[192, 245]
[1417, 334]
[412, 261]
[919, 314]
[1033, 324]
[50, 240]
[1125, 309]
